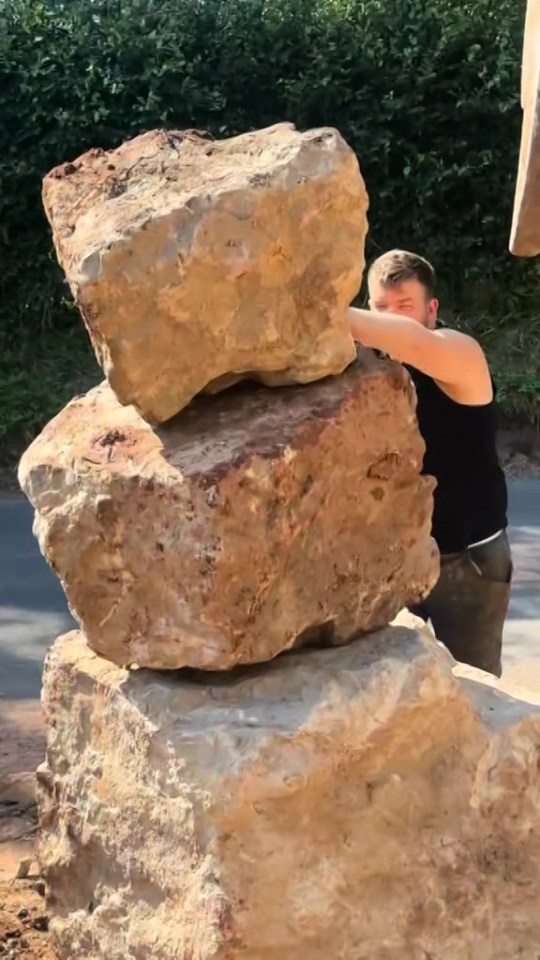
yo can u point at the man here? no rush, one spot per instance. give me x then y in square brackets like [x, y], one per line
[456, 416]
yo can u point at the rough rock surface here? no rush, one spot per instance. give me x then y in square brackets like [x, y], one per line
[253, 521]
[192, 260]
[359, 803]
[525, 236]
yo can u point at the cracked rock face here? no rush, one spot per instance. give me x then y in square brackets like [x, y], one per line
[194, 262]
[359, 802]
[256, 521]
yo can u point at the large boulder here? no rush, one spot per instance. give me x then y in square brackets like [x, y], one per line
[195, 260]
[254, 521]
[359, 803]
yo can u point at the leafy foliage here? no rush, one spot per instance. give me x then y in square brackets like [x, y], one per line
[426, 92]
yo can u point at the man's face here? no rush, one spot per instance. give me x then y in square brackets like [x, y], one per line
[408, 298]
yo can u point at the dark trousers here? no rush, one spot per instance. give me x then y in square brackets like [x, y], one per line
[468, 605]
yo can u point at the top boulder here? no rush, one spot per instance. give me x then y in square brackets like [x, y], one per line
[195, 262]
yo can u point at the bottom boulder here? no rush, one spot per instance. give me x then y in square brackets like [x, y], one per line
[361, 803]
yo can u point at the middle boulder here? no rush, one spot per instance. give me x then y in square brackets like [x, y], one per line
[255, 521]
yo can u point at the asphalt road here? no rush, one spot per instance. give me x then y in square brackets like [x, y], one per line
[32, 603]
[33, 609]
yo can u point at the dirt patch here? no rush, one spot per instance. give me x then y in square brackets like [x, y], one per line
[23, 921]
[22, 740]
[22, 749]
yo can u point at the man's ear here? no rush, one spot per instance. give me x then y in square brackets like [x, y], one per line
[433, 307]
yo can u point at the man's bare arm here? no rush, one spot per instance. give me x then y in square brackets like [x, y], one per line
[450, 357]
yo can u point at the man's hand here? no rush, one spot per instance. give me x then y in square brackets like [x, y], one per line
[453, 359]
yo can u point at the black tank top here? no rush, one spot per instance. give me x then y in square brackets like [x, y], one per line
[470, 500]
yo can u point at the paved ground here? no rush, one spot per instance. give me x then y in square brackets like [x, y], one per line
[32, 605]
[522, 635]
[33, 609]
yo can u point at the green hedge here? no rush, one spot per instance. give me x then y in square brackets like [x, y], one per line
[426, 91]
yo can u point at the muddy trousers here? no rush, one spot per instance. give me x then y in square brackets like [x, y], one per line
[468, 605]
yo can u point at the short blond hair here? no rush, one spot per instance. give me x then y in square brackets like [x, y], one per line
[397, 266]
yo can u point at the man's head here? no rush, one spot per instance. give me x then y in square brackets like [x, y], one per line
[403, 282]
